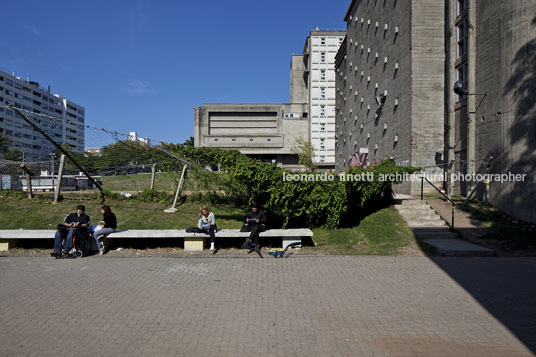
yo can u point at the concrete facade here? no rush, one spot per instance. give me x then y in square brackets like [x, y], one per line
[389, 82]
[492, 51]
[67, 127]
[319, 53]
[269, 132]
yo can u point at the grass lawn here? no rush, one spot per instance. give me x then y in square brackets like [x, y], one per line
[42, 214]
[381, 233]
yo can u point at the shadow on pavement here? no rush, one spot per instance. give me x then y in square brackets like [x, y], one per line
[505, 287]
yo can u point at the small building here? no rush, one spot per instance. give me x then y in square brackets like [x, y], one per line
[269, 132]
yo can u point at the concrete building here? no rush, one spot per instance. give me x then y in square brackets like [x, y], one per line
[491, 51]
[390, 85]
[318, 56]
[30, 97]
[268, 132]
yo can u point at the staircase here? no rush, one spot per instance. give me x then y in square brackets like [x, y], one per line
[430, 228]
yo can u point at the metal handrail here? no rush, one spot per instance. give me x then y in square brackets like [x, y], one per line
[438, 190]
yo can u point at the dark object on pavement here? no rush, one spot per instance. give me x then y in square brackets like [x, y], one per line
[281, 253]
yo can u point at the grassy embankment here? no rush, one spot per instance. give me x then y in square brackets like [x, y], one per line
[381, 233]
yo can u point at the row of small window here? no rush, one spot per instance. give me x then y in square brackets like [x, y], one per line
[323, 40]
[250, 139]
[17, 85]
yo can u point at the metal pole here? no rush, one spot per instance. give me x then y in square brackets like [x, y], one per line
[179, 188]
[38, 129]
[153, 171]
[60, 176]
[422, 187]
[452, 226]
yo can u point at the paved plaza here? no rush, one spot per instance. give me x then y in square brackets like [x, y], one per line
[245, 306]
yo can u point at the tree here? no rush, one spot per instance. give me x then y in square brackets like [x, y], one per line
[305, 151]
[6, 153]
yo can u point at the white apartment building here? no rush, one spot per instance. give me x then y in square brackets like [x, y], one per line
[319, 52]
[33, 100]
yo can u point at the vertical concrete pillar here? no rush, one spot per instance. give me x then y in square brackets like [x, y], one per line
[471, 87]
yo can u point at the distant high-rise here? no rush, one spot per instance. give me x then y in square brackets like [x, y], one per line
[319, 52]
[67, 128]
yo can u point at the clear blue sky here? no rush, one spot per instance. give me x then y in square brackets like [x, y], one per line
[143, 65]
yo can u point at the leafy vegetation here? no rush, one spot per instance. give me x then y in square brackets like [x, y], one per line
[311, 203]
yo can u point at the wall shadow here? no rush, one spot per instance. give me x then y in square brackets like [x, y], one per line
[505, 287]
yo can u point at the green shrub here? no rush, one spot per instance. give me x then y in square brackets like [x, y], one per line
[295, 203]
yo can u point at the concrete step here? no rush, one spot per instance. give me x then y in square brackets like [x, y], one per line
[458, 247]
[421, 224]
[440, 233]
[414, 203]
[417, 213]
[424, 218]
[413, 207]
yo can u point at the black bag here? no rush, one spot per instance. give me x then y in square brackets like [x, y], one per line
[194, 230]
[245, 228]
[82, 241]
[62, 227]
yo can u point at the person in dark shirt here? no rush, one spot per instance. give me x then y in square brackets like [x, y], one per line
[255, 220]
[106, 226]
[75, 221]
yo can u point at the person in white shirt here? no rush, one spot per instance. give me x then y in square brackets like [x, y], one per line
[207, 224]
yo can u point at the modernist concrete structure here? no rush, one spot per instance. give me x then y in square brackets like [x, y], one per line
[390, 84]
[266, 131]
[319, 76]
[396, 71]
[491, 50]
[29, 96]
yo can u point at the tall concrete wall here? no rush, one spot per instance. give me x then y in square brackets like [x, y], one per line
[298, 86]
[506, 116]
[394, 49]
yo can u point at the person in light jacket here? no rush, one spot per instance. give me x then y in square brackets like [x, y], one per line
[207, 224]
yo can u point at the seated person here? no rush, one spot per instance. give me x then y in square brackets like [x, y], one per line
[255, 220]
[72, 222]
[207, 224]
[106, 226]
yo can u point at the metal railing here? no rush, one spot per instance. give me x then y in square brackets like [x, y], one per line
[438, 190]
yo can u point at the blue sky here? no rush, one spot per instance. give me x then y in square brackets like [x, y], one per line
[143, 65]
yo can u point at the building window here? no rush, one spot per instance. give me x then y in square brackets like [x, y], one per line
[216, 139]
[323, 57]
[461, 6]
[251, 139]
[323, 92]
[322, 74]
[322, 110]
[322, 40]
[322, 126]
[233, 139]
[461, 38]
[268, 139]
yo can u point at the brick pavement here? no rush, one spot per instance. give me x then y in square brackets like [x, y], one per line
[314, 306]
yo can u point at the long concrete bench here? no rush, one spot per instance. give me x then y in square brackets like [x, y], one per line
[192, 241]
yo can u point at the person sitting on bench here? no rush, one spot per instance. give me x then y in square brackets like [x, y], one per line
[255, 220]
[106, 226]
[72, 222]
[207, 224]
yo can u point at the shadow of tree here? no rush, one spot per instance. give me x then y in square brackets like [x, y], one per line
[522, 133]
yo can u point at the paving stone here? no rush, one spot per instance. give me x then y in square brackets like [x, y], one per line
[297, 306]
